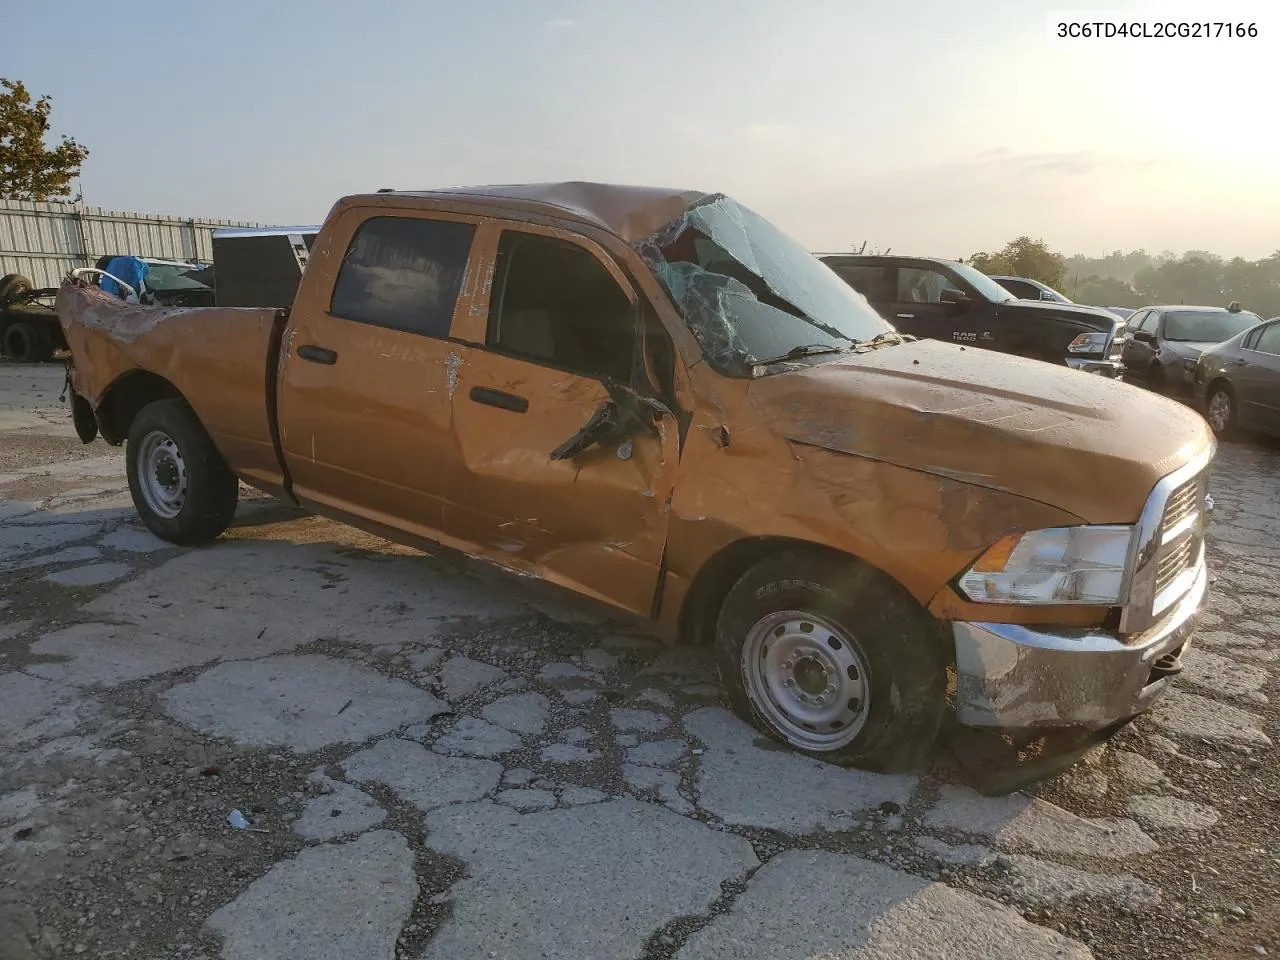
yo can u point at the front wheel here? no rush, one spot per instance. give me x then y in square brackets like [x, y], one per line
[1220, 411]
[182, 488]
[834, 659]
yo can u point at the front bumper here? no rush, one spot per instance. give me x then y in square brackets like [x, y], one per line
[1017, 677]
[1102, 367]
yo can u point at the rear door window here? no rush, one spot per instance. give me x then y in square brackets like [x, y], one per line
[1268, 340]
[404, 273]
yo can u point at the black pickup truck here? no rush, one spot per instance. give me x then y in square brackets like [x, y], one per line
[949, 300]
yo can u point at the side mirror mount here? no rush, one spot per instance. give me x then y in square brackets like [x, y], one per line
[623, 416]
[955, 299]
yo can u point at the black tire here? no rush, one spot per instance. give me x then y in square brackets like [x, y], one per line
[26, 342]
[1230, 428]
[206, 489]
[12, 284]
[893, 638]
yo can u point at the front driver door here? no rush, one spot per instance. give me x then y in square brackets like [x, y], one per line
[921, 306]
[557, 349]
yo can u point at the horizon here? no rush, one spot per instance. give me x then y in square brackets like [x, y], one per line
[990, 130]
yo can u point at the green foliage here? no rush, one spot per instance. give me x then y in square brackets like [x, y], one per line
[1137, 278]
[28, 169]
[1024, 257]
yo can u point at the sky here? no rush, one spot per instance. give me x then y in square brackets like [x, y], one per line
[926, 127]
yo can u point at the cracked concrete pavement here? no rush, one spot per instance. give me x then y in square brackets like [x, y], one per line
[440, 761]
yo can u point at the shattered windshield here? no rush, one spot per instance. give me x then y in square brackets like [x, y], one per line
[750, 293]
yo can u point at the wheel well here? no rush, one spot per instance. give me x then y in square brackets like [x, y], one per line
[124, 398]
[1215, 384]
[718, 575]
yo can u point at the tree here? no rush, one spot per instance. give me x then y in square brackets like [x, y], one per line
[1024, 257]
[28, 169]
[1103, 292]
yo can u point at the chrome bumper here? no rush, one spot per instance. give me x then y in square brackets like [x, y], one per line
[1105, 368]
[1017, 677]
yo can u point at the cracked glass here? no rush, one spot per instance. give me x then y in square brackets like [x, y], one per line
[751, 294]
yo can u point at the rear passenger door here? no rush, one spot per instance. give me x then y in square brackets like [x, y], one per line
[876, 282]
[365, 386]
[558, 342]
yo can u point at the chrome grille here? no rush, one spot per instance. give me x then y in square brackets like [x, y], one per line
[1168, 551]
[1180, 553]
[1181, 535]
[1184, 501]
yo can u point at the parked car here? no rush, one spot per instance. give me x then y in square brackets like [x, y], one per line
[1163, 344]
[660, 401]
[949, 300]
[1238, 382]
[1025, 288]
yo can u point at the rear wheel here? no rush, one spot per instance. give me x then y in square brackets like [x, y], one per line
[1220, 410]
[27, 342]
[833, 659]
[181, 486]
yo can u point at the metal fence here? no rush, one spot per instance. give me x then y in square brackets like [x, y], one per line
[42, 241]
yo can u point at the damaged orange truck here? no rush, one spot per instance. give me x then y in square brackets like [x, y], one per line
[659, 400]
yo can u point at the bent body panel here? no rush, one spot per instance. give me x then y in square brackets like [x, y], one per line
[219, 360]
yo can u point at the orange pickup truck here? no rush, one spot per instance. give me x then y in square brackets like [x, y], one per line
[657, 399]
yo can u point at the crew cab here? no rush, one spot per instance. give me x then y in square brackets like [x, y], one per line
[952, 301]
[657, 399]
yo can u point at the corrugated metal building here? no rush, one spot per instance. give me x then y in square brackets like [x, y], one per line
[43, 240]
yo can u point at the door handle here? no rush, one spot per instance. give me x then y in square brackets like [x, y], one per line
[906, 316]
[499, 399]
[309, 351]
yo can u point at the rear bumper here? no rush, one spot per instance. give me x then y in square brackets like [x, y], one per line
[1017, 677]
[1105, 368]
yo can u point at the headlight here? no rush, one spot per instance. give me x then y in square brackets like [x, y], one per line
[1064, 565]
[1088, 343]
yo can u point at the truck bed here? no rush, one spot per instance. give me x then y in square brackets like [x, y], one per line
[222, 361]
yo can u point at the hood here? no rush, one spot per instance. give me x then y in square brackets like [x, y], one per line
[1082, 443]
[1093, 317]
[1189, 349]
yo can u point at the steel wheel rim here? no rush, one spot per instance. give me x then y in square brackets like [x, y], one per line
[162, 474]
[809, 678]
[1219, 410]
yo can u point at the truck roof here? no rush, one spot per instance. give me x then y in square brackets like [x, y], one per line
[629, 212]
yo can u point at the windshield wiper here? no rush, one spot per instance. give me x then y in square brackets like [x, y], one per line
[804, 350]
[888, 338]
